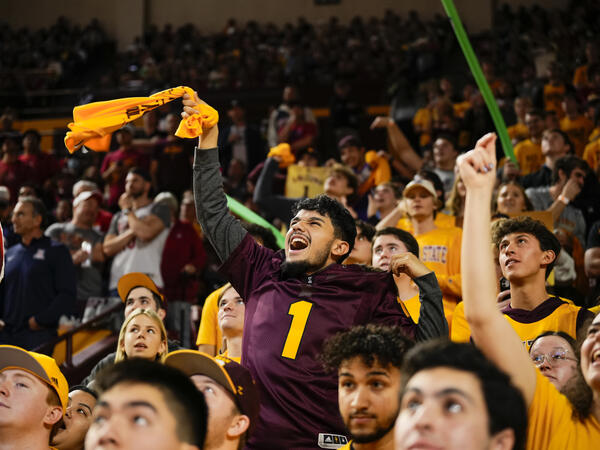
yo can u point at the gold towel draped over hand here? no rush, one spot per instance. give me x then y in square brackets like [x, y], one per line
[94, 123]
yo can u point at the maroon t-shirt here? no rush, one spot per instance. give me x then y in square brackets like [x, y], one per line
[286, 323]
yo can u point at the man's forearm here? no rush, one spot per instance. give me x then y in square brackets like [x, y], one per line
[391, 219]
[222, 230]
[273, 205]
[113, 244]
[432, 322]
[556, 209]
[401, 148]
[144, 230]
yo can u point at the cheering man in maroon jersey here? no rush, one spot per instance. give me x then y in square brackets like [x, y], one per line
[294, 301]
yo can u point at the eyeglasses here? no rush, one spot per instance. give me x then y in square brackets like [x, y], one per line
[554, 358]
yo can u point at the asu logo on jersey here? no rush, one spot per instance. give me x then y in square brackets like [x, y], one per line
[434, 253]
[328, 440]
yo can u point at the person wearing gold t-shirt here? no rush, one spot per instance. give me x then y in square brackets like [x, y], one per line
[531, 310]
[581, 80]
[576, 125]
[231, 321]
[399, 219]
[552, 424]
[439, 247]
[554, 90]
[423, 120]
[222, 324]
[529, 152]
[210, 338]
[591, 153]
[554, 314]
[519, 131]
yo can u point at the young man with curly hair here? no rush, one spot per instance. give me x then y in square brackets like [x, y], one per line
[368, 360]
[527, 252]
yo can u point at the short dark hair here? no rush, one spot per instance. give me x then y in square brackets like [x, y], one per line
[140, 171]
[504, 402]
[568, 164]
[341, 219]
[157, 300]
[447, 136]
[35, 133]
[385, 345]
[565, 136]
[39, 209]
[263, 233]
[87, 390]
[366, 229]
[183, 399]
[525, 224]
[403, 236]
[397, 188]
[350, 177]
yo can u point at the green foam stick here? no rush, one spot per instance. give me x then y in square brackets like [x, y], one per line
[250, 216]
[482, 83]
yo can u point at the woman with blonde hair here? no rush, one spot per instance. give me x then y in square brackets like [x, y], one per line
[455, 205]
[142, 335]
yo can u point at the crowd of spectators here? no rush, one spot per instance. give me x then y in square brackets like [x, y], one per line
[137, 228]
[61, 56]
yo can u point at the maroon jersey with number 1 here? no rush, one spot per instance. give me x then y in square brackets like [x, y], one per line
[286, 323]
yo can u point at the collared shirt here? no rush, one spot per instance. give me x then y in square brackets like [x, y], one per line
[39, 281]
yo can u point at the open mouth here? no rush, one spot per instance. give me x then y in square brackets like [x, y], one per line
[298, 242]
[140, 346]
[596, 356]
[510, 261]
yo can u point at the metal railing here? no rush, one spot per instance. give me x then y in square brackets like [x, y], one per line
[68, 336]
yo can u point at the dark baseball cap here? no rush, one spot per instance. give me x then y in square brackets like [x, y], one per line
[233, 377]
[350, 140]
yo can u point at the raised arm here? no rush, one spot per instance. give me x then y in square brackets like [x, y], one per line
[272, 204]
[570, 190]
[490, 331]
[400, 148]
[223, 231]
[392, 218]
